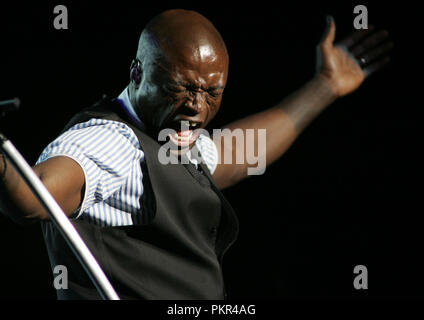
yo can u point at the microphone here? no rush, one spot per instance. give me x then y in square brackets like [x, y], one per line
[9, 105]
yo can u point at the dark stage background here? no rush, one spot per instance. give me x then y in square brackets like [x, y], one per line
[346, 193]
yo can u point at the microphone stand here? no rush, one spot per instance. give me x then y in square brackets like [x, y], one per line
[56, 214]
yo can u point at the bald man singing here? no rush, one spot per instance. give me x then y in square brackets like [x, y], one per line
[160, 230]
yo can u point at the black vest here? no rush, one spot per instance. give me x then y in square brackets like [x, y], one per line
[175, 254]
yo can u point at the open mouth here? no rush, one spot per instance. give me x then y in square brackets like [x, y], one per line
[185, 133]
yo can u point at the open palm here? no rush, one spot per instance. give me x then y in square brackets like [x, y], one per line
[347, 63]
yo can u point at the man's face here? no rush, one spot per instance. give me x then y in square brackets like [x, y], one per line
[182, 90]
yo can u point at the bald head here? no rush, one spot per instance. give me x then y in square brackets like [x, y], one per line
[181, 34]
[182, 74]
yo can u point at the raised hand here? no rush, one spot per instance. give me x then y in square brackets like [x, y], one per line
[347, 63]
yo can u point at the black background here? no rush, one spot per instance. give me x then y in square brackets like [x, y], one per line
[346, 193]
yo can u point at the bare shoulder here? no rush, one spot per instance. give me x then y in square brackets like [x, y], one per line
[65, 180]
[63, 166]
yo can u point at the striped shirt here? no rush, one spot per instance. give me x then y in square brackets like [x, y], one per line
[109, 154]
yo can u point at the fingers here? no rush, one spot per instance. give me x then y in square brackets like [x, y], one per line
[376, 66]
[355, 36]
[367, 47]
[375, 53]
[370, 49]
[369, 43]
[330, 32]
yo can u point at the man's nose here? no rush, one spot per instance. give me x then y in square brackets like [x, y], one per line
[197, 103]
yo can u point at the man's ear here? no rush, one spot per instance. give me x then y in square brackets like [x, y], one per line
[135, 72]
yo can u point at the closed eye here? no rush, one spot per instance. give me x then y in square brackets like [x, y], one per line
[215, 92]
[174, 89]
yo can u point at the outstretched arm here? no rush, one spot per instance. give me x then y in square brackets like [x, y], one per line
[341, 68]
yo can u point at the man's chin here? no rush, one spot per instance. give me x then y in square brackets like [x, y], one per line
[179, 152]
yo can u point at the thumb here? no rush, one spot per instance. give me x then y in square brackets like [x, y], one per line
[329, 33]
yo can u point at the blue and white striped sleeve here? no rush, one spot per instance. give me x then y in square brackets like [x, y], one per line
[208, 150]
[106, 151]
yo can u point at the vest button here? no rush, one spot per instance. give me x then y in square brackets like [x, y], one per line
[213, 230]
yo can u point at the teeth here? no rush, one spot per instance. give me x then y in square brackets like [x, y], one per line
[189, 124]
